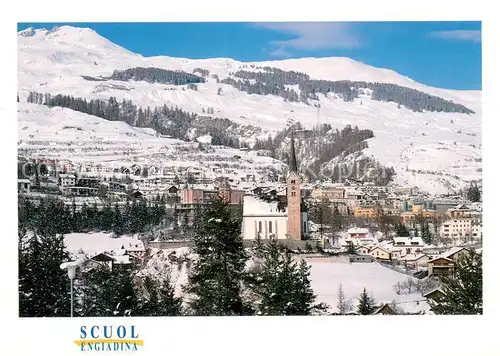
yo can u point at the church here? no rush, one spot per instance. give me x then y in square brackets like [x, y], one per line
[269, 220]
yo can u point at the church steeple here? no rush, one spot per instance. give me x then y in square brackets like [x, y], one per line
[294, 219]
[293, 157]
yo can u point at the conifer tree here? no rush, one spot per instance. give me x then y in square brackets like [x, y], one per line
[402, 230]
[425, 233]
[258, 248]
[473, 193]
[106, 291]
[157, 298]
[44, 288]
[284, 287]
[215, 281]
[464, 290]
[366, 304]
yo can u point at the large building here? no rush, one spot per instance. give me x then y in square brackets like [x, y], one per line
[270, 219]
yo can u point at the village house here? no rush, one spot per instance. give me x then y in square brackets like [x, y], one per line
[415, 261]
[436, 295]
[462, 229]
[380, 253]
[66, 181]
[365, 212]
[408, 245]
[23, 185]
[384, 309]
[443, 265]
[363, 250]
[462, 211]
[440, 267]
[357, 233]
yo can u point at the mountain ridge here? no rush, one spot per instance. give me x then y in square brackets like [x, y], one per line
[50, 66]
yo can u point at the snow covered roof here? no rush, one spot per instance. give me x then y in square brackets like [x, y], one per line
[413, 257]
[23, 181]
[252, 205]
[452, 251]
[439, 258]
[357, 230]
[407, 241]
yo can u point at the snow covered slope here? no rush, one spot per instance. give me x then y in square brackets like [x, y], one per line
[67, 134]
[436, 151]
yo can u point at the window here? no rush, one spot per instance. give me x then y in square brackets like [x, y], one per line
[270, 227]
[292, 181]
[292, 194]
[260, 226]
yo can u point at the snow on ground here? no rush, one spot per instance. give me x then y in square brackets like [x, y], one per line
[171, 262]
[326, 273]
[327, 276]
[97, 242]
[446, 144]
[88, 140]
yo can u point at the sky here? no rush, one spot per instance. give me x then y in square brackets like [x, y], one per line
[439, 54]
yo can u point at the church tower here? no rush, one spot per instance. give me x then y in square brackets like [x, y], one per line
[294, 199]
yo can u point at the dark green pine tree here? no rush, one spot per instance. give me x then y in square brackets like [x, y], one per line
[473, 193]
[402, 230]
[117, 222]
[185, 223]
[44, 288]
[351, 250]
[284, 287]
[366, 304]
[258, 248]
[464, 291]
[157, 298]
[425, 233]
[106, 291]
[215, 281]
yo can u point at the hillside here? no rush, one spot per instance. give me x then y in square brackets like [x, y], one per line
[431, 137]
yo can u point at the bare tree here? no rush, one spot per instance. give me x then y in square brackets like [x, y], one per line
[398, 287]
[344, 305]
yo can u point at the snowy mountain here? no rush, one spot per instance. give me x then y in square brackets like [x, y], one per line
[437, 149]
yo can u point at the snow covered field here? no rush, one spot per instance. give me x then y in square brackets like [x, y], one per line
[326, 275]
[378, 280]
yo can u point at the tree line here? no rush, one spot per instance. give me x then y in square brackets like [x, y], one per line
[273, 81]
[52, 216]
[169, 121]
[152, 75]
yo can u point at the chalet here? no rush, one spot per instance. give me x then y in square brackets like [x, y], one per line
[380, 253]
[137, 194]
[440, 267]
[456, 253]
[172, 190]
[384, 309]
[415, 260]
[436, 295]
[364, 250]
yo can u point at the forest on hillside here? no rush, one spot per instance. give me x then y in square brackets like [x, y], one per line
[273, 81]
[153, 75]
